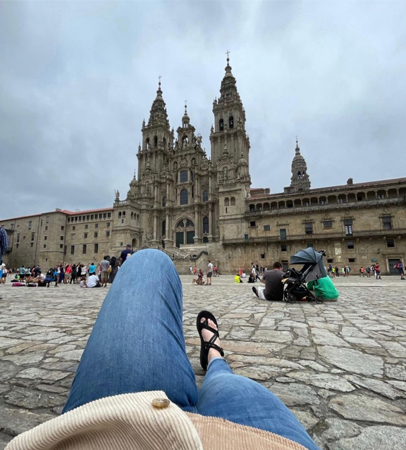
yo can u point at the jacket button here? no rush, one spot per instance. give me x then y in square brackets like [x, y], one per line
[160, 402]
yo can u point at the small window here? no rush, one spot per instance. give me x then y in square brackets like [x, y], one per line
[45, 245]
[108, 223]
[85, 235]
[348, 227]
[30, 224]
[184, 197]
[73, 227]
[183, 176]
[84, 249]
[61, 238]
[327, 224]
[231, 122]
[284, 248]
[205, 196]
[330, 260]
[262, 255]
[32, 236]
[350, 245]
[351, 260]
[164, 201]
[72, 249]
[109, 215]
[107, 233]
[62, 227]
[96, 225]
[253, 223]
[96, 248]
[47, 219]
[86, 226]
[46, 227]
[282, 234]
[387, 222]
[205, 225]
[232, 201]
[221, 124]
[226, 201]
[45, 238]
[32, 244]
[246, 237]
[267, 227]
[390, 243]
[96, 234]
[60, 245]
[308, 228]
[92, 217]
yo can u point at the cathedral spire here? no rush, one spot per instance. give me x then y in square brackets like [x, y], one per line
[300, 179]
[158, 114]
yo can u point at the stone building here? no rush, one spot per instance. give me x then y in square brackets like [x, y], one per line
[196, 207]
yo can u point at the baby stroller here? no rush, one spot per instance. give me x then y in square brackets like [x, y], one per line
[295, 281]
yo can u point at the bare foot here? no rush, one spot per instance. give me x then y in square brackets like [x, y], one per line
[207, 335]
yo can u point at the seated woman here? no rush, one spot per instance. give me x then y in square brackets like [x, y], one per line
[135, 387]
[199, 280]
[324, 288]
[237, 279]
[251, 278]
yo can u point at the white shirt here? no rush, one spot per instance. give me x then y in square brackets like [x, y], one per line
[210, 266]
[92, 281]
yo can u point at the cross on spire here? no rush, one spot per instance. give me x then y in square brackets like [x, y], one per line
[159, 83]
[185, 106]
[228, 55]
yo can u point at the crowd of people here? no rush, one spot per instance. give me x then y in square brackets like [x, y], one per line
[86, 275]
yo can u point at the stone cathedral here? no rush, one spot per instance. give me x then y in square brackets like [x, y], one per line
[175, 200]
[197, 207]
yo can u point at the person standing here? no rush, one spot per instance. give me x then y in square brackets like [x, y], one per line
[126, 253]
[377, 272]
[273, 284]
[104, 267]
[399, 266]
[209, 273]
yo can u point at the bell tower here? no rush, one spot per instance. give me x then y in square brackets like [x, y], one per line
[300, 179]
[229, 122]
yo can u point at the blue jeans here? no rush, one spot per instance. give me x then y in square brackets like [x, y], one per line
[137, 344]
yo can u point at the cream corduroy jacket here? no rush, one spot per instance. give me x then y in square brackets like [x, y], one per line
[130, 421]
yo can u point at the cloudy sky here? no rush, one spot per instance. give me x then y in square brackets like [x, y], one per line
[78, 77]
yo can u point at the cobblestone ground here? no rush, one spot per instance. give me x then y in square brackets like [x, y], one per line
[340, 367]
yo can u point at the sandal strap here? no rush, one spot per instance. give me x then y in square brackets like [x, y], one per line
[211, 344]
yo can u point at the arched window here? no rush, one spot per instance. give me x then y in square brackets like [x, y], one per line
[155, 141]
[183, 197]
[205, 224]
[221, 124]
[163, 227]
[189, 223]
[181, 224]
[226, 201]
[147, 143]
[232, 201]
[183, 176]
[123, 213]
[231, 122]
[119, 215]
[205, 196]
[132, 215]
[175, 166]
[163, 201]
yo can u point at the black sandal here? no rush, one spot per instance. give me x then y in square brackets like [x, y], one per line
[206, 346]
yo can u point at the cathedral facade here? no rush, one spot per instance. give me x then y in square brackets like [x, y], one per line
[195, 207]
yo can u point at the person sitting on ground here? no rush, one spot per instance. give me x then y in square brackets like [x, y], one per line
[93, 281]
[324, 289]
[237, 279]
[273, 284]
[251, 278]
[199, 280]
[82, 283]
[135, 387]
[50, 277]
[41, 280]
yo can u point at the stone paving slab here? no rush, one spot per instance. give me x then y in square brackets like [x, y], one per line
[340, 367]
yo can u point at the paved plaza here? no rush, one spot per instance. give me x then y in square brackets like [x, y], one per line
[340, 367]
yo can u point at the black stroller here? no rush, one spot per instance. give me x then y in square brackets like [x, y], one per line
[294, 281]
